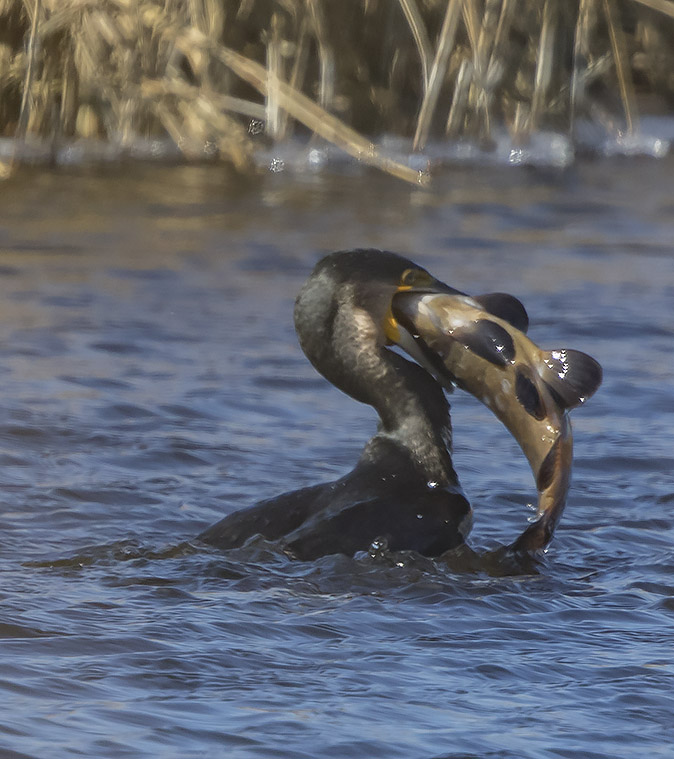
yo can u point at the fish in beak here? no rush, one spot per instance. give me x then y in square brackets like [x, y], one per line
[479, 344]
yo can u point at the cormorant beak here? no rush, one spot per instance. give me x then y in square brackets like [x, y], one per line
[400, 329]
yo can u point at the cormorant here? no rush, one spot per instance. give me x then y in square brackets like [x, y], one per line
[404, 488]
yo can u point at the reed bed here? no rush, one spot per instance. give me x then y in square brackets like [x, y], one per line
[219, 77]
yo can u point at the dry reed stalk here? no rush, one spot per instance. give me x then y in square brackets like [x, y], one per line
[596, 70]
[151, 89]
[69, 95]
[438, 71]
[273, 78]
[661, 6]
[471, 20]
[581, 57]
[208, 16]
[497, 59]
[420, 35]
[457, 111]
[620, 58]
[544, 63]
[196, 120]
[503, 27]
[306, 111]
[326, 88]
[488, 26]
[299, 69]
[86, 68]
[26, 98]
[485, 40]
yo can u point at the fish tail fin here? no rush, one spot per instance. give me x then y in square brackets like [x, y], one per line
[571, 376]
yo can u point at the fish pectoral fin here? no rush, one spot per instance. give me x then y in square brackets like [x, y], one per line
[506, 307]
[571, 376]
[488, 340]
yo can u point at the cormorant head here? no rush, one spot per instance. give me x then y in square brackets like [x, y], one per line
[345, 316]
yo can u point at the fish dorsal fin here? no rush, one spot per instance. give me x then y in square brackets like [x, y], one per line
[506, 307]
[571, 376]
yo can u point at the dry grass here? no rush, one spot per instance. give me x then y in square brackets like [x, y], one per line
[208, 73]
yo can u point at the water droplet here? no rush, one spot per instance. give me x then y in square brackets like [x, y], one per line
[420, 516]
[277, 165]
[377, 547]
[255, 127]
[431, 484]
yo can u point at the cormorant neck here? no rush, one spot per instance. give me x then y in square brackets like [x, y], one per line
[347, 345]
[414, 416]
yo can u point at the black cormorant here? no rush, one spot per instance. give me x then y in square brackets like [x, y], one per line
[404, 488]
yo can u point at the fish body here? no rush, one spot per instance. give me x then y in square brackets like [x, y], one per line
[484, 350]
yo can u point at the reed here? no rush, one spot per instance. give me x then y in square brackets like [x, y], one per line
[208, 73]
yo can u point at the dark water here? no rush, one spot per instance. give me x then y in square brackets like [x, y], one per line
[151, 382]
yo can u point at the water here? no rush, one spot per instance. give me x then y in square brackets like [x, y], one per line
[151, 382]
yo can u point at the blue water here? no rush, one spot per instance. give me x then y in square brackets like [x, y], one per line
[151, 383]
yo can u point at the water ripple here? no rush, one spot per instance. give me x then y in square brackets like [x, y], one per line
[152, 383]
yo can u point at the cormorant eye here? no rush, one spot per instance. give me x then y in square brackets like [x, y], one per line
[414, 277]
[408, 277]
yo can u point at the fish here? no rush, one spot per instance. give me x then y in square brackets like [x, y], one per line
[480, 345]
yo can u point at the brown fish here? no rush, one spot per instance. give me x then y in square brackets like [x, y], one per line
[483, 348]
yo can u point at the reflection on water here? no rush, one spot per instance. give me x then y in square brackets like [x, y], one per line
[152, 382]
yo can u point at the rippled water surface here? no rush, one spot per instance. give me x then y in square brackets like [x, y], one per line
[151, 383]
